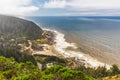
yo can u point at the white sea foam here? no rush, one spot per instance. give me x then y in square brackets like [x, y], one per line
[61, 44]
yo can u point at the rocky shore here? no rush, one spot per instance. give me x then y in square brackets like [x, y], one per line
[56, 45]
[78, 58]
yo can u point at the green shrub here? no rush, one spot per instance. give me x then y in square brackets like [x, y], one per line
[62, 73]
[47, 77]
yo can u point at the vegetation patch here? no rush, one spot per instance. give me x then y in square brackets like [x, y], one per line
[12, 70]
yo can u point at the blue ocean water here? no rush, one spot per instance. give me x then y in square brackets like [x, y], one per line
[97, 36]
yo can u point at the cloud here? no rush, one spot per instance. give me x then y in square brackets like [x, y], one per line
[55, 4]
[95, 4]
[89, 4]
[17, 7]
[97, 7]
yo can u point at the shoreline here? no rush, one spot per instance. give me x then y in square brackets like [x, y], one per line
[61, 44]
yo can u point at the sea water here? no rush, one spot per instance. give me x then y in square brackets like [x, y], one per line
[96, 36]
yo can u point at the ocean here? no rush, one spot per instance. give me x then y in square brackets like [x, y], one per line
[98, 37]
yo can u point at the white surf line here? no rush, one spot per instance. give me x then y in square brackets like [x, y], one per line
[61, 44]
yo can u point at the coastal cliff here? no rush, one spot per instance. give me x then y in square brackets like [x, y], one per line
[17, 27]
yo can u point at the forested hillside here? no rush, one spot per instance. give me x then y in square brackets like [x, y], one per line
[16, 27]
[12, 70]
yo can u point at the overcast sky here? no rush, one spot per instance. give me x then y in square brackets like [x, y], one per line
[60, 7]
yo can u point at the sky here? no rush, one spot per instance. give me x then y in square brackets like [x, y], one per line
[60, 7]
